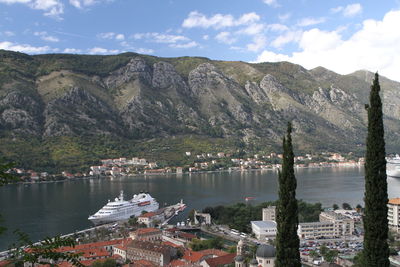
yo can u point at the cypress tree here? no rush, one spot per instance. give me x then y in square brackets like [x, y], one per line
[287, 240]
[376, 250]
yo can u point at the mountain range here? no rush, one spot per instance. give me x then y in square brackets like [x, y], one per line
[59, 108]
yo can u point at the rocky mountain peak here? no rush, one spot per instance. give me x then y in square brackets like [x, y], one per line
[136, 68]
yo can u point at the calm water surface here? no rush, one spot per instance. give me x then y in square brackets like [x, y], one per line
[58, 208]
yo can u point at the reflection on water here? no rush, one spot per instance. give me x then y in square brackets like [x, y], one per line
[54, 208]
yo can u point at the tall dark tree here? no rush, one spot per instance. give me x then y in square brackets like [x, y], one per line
[376, 250]
[287, 240]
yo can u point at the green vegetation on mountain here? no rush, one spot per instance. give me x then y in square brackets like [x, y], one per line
[61, 111]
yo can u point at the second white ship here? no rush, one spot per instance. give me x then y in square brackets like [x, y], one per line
[393, 167]
[121, 209]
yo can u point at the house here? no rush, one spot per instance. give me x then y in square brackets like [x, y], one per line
[219, 261]
[156, 253]
[151, 218]
[263, 229]
[220, 154]
[146, 234]
[121, 249]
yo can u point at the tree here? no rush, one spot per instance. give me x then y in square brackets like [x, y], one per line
[287, 240]
[376, 249]
[335, 206]
[346, 206]
[328, 254]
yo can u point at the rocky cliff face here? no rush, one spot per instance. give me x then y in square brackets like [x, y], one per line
[144, 97]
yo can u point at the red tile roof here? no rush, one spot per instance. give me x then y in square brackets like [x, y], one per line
[177, 263]
[227, 259]
[148, 215]
[213, 251]
[168, 243]
[4, 263]
[186, 235]
[93, 245]
[394, 201]
[192, 256]
[142, 231]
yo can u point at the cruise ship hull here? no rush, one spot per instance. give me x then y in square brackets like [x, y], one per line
[122, 210]
[97, 220]
[393, 167]
[393, 173]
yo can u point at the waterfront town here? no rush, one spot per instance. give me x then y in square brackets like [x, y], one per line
[200, 163]
[148, 241]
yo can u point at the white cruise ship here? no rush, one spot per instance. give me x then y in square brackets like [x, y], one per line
[121, 209]
[393, 167]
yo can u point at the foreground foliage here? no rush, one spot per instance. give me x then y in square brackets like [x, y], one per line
[287, 240]
[376, 249]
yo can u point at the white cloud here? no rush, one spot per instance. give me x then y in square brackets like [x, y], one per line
[288, 37]
[184, 46]
[45, 37]
[15, 1]
[269, 56]
[272, 3]
[7, 33]
[352, 10]
[225, 37]
[82, 3]
[360, 51]
[218, 21]
[259, 42]
[310, 21]
[277, 27]
[120, 37]
[52, 8]
[206, 37]
[252, 29]
[336, 9]
[160, 37]
[348, 11]
[72, 51]
[284, 17]
[101, 50]
[144, 51]
[24, 48]
[111, 35]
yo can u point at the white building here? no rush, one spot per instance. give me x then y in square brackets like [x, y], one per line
[394, 213]
[263, 229]
[344, 226]
[316, 230]
[269, 214]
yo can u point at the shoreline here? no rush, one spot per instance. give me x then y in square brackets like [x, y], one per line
[173, 173]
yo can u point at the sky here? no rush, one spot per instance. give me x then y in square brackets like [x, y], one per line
[343, 36]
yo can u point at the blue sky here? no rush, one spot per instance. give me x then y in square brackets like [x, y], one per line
[343, 36]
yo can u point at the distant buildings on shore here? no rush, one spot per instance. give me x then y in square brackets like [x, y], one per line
[200, 162]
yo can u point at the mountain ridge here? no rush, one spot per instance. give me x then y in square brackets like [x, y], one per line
[133, 98]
